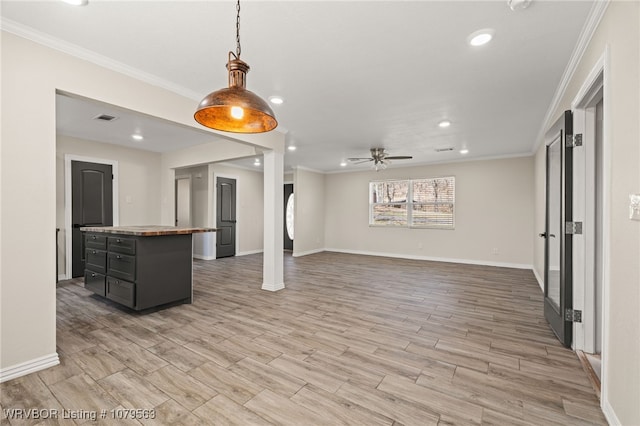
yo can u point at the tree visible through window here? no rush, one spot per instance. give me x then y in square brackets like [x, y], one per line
[424, 203]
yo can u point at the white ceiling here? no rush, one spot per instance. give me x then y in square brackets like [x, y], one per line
[354, 75]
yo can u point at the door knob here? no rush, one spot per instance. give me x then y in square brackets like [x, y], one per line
[543, 235]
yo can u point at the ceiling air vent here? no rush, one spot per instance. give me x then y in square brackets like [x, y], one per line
[105, 117]
[444, 149]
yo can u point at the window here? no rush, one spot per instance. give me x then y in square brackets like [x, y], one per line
[416, 203]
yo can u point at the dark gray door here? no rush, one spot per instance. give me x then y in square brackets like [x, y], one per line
[558, 288]
[91, 205]
[226, 217]
[288, 216]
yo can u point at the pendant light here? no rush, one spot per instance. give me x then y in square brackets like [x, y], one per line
[236, 109]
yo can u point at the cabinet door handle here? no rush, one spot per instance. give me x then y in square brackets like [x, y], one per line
[93, 237]
[118, 240]
[93, 275]
[94, 252]
[118, 257]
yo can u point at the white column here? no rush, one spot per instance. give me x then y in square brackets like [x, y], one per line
[273, 259]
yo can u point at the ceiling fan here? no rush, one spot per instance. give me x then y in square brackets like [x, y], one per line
[380, 158]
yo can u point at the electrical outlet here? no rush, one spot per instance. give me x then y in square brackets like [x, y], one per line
[634, 206]
[495, 252]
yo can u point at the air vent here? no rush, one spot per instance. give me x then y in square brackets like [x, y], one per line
[444, 149]
[105, 117]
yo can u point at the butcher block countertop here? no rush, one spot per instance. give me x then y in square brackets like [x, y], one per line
[146, 231]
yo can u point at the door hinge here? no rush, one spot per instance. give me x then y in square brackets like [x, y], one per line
[573, 315]
[573, 141]
[573, 228]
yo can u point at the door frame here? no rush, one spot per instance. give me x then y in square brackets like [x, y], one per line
[68, 158]
[584, 257]
[175, 197]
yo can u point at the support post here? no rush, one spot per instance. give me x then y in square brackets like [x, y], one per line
[273, 258]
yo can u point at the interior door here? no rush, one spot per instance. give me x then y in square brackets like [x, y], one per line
[225, 217]
[288, 216]
[183, 202]
[91, 205]
[558, 290]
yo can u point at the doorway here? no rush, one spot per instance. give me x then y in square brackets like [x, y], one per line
[183, 201]
[225, 217]
[592, 201]
[289, 219]
[91, 199]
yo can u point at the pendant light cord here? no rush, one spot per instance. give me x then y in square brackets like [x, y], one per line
[238, 48]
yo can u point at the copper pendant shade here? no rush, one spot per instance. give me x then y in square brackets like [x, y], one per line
[236, 109]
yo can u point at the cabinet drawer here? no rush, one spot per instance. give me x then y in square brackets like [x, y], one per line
[121, 291]
[122, 266]
[122, 245]
[95, 241]
[96, 260]
[95, 282]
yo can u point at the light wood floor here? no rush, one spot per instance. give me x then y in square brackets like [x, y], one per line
[351, 340]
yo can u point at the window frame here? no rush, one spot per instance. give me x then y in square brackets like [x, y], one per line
[409, 204]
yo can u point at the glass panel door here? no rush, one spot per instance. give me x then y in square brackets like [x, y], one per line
[558, 290]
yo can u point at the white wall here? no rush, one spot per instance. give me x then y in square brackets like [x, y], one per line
[309, 212]
[139, 183]
[619, 30]
[29, 72]
[494, 210]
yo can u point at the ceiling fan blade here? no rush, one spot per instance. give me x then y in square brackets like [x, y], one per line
[360, 159]
[363, 160]
[399, 157]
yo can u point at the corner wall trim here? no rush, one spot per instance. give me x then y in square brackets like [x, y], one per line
[29, 367]
[435, 259]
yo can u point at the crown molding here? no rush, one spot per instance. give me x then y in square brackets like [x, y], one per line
[588, 30]
[79, 52]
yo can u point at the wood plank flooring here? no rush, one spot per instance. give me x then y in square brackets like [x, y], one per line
[352, 340]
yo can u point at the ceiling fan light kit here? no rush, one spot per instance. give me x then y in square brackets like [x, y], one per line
[380, 159]
[236, 109]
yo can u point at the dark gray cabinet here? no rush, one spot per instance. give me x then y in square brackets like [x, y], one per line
[139, 272]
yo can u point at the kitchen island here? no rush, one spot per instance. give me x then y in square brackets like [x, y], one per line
[140, 267]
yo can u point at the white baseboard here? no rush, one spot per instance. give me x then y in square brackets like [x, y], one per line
[246, 253]
[62, 277]
[198, 256]
[609, 414]
[435, 259]
[273, 287]
[305, 253]
[540, 280]
[29, 367]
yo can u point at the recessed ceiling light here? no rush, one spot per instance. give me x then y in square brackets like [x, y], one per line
[444, 123]
[481, 37]
[77, 2]
[137, 137]
[343, 164]
[464, 151]
[291, 147]
[277, 100]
